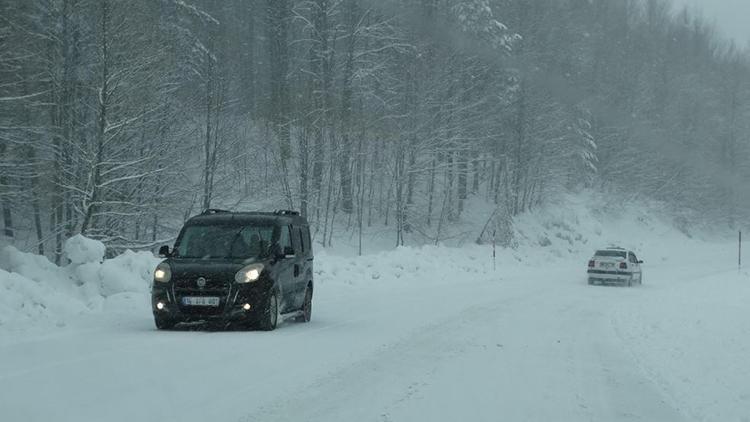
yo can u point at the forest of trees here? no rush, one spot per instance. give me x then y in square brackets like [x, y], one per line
[118, 119]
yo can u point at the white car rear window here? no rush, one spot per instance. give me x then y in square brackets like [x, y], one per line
[611, 254]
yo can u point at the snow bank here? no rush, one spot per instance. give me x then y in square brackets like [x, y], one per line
[34, 289]
[426, 264]
[80, 250]
[23, 299]
[129, 272]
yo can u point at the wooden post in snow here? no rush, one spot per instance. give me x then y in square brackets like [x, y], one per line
[494, 266]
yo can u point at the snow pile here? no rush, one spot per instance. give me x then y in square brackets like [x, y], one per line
[25, 299]
[129, 272]
[426, 264]
[80, 250]
[36, 289]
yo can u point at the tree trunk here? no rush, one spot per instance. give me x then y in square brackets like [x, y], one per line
[278, 28]
[89, 216]
[330, 196]
[7, 216]
[520, 138]
[346, 113]
[399, 196]
[431, 191]
[318, 58]
[462, 178]
[207, 153]
[475, 174]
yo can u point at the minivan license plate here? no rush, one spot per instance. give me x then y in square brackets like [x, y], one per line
[200, 301]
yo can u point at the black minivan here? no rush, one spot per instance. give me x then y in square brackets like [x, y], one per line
[236, 267]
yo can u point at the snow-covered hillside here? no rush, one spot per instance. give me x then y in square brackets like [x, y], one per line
[415, 333]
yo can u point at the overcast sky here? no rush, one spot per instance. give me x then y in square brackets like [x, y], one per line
[731, 16]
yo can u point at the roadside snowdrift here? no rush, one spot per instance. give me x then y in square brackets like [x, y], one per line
[36, 290]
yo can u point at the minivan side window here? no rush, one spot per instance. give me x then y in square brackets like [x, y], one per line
[296, 241]
[286, 240]
[301, 239]
[308, 241]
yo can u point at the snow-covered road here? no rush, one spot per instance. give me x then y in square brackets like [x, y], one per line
[525, 345]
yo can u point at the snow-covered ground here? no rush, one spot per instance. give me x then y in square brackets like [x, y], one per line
[430, 333]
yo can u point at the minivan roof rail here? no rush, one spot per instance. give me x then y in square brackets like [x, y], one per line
[214, 211]
[286, 212]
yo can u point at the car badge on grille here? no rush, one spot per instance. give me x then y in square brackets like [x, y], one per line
[201, 282]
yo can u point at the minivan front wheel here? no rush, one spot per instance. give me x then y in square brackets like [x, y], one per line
[270, 316]
[163, 323]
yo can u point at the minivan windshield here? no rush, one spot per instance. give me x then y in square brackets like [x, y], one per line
[612, 253]
[224, 241]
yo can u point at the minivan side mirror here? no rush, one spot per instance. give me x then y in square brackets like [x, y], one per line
[164, 251]
[278, 253]
[640, 262]
[275, 251]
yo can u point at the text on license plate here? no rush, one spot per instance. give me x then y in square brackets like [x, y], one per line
[200, 301]
[607, 264]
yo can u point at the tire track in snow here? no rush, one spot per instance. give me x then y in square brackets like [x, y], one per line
[655, 375]
[389, 377]
[384, 385]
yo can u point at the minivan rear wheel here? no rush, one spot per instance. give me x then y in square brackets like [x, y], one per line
[306, 314]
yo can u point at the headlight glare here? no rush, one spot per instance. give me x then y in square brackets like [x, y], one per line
[249, 273]
[163, 273]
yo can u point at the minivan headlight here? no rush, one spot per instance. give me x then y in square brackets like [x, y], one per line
[248, 274]
[163, 273]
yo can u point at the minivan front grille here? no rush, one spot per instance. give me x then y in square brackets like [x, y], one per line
[210, 283]
[213, 288]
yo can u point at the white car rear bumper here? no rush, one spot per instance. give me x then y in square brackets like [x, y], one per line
[602, 276]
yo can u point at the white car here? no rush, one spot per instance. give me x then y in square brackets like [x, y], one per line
[615, 265]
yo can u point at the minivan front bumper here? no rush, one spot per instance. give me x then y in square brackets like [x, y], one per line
[237, 302]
